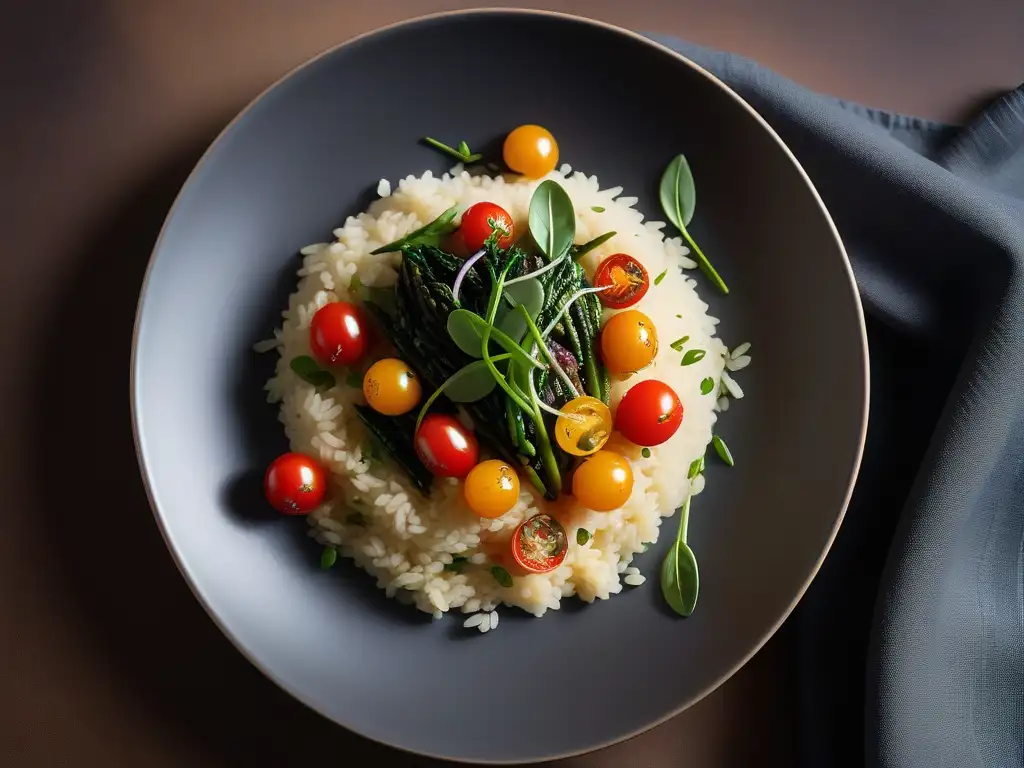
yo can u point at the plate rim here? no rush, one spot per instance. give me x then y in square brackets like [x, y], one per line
[487, 11]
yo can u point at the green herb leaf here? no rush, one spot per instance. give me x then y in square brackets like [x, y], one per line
[503, 577]
[328, 558]
[529, 293]
[679, 200]
[430, 234]
[696, 467]
[677, 345]
[552, 219]
[582, 536]
[307, 369]
[469, 384]
[457, 564]
[722, 450]
[579, 250]
[462, 153]
[680, 317]
[706, 385]
[659, 278]
[354, 380]
[693, 356]
[645, 452]
[679, 579]
[597, 209]
[462, 327]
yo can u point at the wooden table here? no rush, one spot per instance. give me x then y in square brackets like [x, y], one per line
[108, 660]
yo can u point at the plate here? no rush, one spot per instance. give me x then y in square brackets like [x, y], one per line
[309, 152]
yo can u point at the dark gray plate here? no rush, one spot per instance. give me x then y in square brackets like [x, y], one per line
[309, 152]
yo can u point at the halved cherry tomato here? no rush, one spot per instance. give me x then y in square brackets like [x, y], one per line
[539, 544]
[390, 387]
[294, 484]
[629, 342]
[649, 413]
[627, 278]
[584, 426]
[337, 334]
[480, 221]
[492, 488]
[531, 151]
[603, 482]
[446, 447]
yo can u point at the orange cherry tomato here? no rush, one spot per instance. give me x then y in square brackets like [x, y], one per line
[539, 544]
[390, 387]
[649, 413]
[337, 334]
[629, 342]
[491, 488]
[531, 151]
[603, 482]
[626, 279]
[482, 220]
[294, 484]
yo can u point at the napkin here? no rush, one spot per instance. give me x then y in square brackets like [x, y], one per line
[910, 642]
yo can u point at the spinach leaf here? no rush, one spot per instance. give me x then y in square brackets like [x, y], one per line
[552, 219]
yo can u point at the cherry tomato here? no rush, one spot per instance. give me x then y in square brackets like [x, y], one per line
[480, 221]
[492, 488]
[390, 387]
[531, 151]
[539, 544]
[627, 278]
[629, 342]
[649, 413]
[446, 447]
[603, 482]
[337, 334]
[294, 484]
[584, 426]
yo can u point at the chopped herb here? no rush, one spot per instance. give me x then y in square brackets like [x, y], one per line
[355, 285]
[696, 467]
[354, 380]
[306, 368]
[680, 317]
[659, 278]
[582, 536]
[503, 577]
[677, 345]
[707, 385]
[328, 558]
[429, 234]
[462, 153]
[597, 209]
[693, 356]
[646, 453]
[645, 547]
[356, 518]
[722, 450]
[457, 564]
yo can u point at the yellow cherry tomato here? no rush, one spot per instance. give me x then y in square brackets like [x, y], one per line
[603, 482]
[629, 342]
[492, 488]
[531, 151]
[390, 387]
[584, 426]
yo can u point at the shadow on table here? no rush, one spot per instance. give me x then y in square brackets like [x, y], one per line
[117, 574]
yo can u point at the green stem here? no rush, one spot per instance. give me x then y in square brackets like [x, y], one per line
[485, 338]
[539, 341]
[684, 521]
[705, 265]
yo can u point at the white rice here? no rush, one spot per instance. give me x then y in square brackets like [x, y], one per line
[377, 517]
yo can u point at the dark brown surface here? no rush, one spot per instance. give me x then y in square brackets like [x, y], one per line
[109, 660]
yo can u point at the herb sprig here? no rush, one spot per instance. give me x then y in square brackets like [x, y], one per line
[679, 199]
[461, 153]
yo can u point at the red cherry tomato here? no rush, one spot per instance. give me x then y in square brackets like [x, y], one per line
[627, 278]
[337, 334]
[539, 544]
[445, 446]
[649, 413]
[482, 219]
[294, 484]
